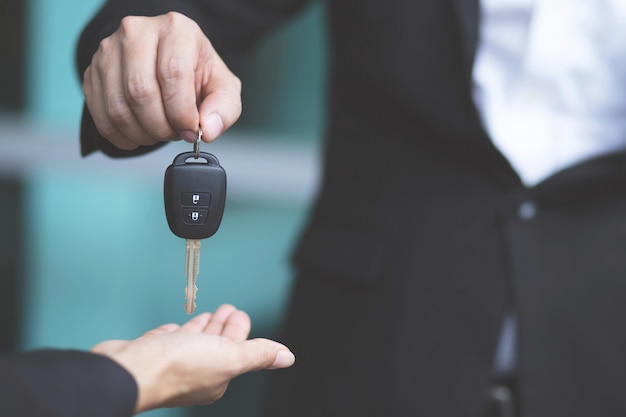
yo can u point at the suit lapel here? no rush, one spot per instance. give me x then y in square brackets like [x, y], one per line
[468, 16]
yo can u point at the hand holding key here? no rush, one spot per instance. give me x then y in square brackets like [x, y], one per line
[195, 195]
[158, 78]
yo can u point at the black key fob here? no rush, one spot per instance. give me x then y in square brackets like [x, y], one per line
[195, 195]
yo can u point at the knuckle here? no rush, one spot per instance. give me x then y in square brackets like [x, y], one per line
[104, 45]
[237, 84]
[87, 78]
[129, 25]
[221, 392]
[118, 112]
[238, 107]
[175, 19]
[175, 68]
[140, 88]
[100, 55]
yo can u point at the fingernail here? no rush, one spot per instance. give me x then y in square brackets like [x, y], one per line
[212, 126]
[284, 359]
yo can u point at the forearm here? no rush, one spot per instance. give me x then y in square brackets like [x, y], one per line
[65, 383]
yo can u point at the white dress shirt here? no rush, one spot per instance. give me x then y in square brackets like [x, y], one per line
[550, 85]
[550, 81]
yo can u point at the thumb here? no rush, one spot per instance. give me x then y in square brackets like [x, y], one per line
[221, 101]
[266, 354]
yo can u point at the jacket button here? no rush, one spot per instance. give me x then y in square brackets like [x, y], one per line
[527, 210]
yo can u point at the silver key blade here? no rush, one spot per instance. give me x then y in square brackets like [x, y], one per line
[192, 269]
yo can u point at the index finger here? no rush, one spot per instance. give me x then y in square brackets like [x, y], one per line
[229, 322]
[237, 326]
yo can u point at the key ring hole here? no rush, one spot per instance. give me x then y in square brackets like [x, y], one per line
[196, 160]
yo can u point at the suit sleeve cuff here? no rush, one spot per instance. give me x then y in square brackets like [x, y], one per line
[65, 383]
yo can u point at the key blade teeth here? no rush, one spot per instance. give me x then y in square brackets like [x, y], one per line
[190, 306]
[190, 309]
[190, 301]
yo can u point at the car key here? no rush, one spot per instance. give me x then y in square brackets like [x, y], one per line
[195, 195]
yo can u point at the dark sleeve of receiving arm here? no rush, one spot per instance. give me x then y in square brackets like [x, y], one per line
[232, 26]
[64, 383]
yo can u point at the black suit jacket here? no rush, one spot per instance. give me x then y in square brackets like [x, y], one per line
[63, 383]
[415, 247]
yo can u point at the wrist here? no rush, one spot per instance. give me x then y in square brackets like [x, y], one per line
[153, 391]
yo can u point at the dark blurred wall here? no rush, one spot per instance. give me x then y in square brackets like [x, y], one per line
[12, 45]
[11, 271]
[12, 78]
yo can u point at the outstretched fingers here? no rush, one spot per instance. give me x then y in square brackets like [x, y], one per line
[196, 324]
[237, 326]
[229, 322]
[226, 321]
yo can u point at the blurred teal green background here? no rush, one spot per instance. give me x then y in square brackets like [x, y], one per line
[101, 261]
